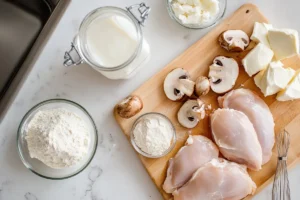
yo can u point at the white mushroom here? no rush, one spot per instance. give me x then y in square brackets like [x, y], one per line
[177, 84]
[190, 113]
[129, 107]
[202, 86]
[234, 40]
[223, 74]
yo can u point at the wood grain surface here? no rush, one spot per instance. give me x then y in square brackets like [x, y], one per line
[196, 60]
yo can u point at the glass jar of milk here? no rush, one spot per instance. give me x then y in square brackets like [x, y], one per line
[111, 41]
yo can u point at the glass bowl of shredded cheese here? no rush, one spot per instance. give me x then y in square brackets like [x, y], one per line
[57, 139]
[153, 135]
[196, 14]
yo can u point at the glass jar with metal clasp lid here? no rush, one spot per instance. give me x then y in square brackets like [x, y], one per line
[110, 39]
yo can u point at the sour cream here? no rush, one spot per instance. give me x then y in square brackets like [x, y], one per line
[196, 11]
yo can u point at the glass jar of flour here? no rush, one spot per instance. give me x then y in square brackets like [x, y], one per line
[111, 41]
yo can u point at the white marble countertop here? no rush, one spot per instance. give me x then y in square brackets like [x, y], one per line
[115, 172]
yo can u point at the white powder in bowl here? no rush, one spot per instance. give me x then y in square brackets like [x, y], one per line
[153, 134]
[57, 137]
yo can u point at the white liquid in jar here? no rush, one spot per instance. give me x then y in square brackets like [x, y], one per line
[131, 69]
[112, 40]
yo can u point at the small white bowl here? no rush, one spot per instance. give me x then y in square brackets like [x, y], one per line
[222, 6]
[38, 167]
[139, 150]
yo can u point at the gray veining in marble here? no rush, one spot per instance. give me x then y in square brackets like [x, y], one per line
[30, 196]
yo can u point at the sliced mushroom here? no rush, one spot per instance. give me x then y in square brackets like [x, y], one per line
[177, 84]
[186, 86]
[234, 40]
[129, 107]
[223, 74]
[190, 113]
[202, 86]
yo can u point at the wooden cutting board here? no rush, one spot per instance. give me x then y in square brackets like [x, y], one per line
[196, 60]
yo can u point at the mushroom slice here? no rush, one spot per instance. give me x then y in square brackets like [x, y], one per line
[129, 107]
[234, 40]
[202, 86]
[223, 74]
[177, 84]
[186, 86]
[191, 112]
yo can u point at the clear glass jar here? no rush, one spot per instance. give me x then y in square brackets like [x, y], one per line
[215, 20]
[111, 41]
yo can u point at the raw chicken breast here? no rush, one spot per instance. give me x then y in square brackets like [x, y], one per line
[198, 151]
[217, 180]
[258, 113]
[236, 138]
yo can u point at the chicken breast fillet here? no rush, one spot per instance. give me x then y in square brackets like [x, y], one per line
[236, 138]
[198, 151]
[259, 114]
[217, 180]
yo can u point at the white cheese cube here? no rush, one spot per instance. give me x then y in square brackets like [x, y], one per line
[292, 91]
[258, 78]
[260, 33]
[268, 26]
[258, 59]
[274, 78]
[284, 42]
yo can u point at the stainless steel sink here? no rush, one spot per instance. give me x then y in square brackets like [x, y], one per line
[25, 26]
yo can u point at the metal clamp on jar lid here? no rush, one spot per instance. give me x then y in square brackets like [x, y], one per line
[111, 41]
[143, 10]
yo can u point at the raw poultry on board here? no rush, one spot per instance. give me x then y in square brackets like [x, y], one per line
[217, 179]
[236, 137]
[259, 114]
[197, 151]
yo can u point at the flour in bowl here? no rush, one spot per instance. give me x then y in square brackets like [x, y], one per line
[58, 137]
[153, 134]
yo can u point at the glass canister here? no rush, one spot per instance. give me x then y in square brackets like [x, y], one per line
[110, 40]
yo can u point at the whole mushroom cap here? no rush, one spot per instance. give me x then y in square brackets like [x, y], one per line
[129, 107]
[202, 86]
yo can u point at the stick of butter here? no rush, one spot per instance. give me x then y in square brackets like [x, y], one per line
[292, 91]
[274, 78]
[260, 33]
[258, 59]
[284, 42]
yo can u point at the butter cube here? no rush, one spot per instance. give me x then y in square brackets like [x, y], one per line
[260, 33]
[292, 91]
[257, 59]
[284, 42]
[258, 77]
[274, 78]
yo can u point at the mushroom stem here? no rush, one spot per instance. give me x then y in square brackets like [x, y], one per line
[186, 86]
[199, 110]
[177, 84]
[234, 40]
[191, 112]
